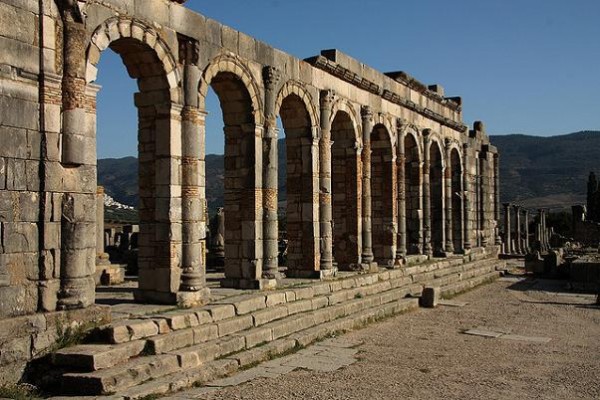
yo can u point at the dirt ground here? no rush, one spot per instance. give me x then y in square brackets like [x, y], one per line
[425, 355]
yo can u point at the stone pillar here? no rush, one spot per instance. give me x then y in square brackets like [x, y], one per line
[518, 249]
[193, 290]
[325, 199]
[497, 197]
[485, 198]
[77, 209]
[367, 126]
[101, 256]
[401, 170]
[270, 274]
[467, 197]
[427, 247]
[507, 229]
[448, 190]
[526, 247]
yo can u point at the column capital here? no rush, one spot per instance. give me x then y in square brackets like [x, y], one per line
[271, 77]
[366, 113]
[466, 146]
[327, 98]
[401, 125]
[189, 50]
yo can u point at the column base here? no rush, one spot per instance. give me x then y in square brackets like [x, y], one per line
[370, 266]
[110, 274]
[398, 263]
[180, 299]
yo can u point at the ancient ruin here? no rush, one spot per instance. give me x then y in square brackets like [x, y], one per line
[381, 169]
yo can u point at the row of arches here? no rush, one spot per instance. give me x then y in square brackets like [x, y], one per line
[414, 182]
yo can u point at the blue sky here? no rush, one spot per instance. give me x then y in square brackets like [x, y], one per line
[521, 66]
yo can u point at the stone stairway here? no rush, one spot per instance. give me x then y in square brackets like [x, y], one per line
[166, 352]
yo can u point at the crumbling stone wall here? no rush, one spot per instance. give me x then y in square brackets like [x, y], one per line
[351, 202]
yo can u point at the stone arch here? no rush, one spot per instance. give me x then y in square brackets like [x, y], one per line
[149, 60]
[383, 194]
[240, 101]
[299, 119]
[344, 106]
[298, 89]
[134, 35]
[232, 64]
[456, 195]
[346, 186]
[436, 201]
[414, 192]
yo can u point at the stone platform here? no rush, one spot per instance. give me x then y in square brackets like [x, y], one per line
[156, 350]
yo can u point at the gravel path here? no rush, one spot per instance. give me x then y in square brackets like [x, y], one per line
[424, 354]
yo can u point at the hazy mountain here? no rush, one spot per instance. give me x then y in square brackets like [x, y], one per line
[547, 171]
[536, 171]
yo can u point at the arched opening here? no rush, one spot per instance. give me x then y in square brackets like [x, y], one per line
[457, 200]
[345, 190]
[436, 180]
[383, 196]
[240, 225]
[299, 180]
[135, 241]
[412, 182]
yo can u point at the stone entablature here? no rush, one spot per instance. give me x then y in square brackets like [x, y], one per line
[381, 168]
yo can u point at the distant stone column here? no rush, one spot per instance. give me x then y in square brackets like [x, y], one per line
[218, 238]
[507, 229]
[101, 256]
[427, 248]
[526, 220]
[484, 202]
[467, 197]
[518, 249]
[448, 209]
[325, 199]
[401, 168]
[367, 242]
[271, 78]
[497, 197]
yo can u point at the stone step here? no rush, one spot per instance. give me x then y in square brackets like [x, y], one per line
[212, 370]
[139, 370]
[467, 284]
[94, 357]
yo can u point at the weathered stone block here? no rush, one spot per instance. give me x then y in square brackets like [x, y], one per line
[171, 341]
[430, 297]
[205, 333]
[221, 312]
[270, 314]
[234, 325]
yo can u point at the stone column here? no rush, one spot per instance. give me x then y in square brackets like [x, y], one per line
[507, 229]
[101, 256]
[77, 209]
[367, 126]
[526, 247]
[518, 249]
[325, 199]
[448, 209]
[401, 170]
[427, 247]
[485, 200]
[271, 77]
[467, 197]
[193, 224]
[497, 197]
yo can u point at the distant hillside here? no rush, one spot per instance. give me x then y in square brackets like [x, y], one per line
[536, 171]
[547, 171]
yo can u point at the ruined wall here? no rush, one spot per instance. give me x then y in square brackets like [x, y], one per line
[48, 65]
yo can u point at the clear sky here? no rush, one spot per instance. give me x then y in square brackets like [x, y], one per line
[521, 66]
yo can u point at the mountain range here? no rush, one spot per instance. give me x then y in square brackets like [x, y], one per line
[534, 171]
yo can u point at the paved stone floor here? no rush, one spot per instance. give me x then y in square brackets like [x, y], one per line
[538, 341]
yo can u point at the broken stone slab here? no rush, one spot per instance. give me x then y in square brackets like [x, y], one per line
[452, 303]
[483, 333]
[534, 339]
